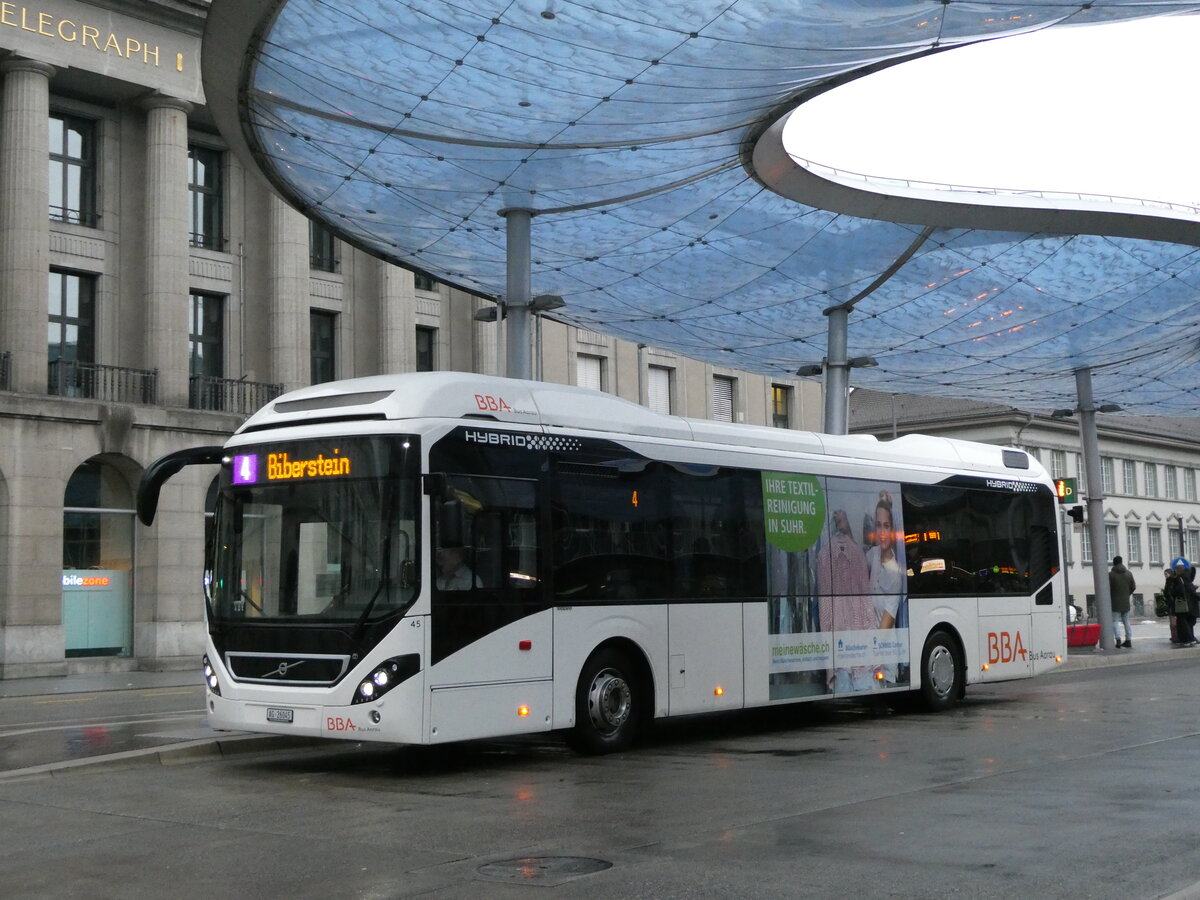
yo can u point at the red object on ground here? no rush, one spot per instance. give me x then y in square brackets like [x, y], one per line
[1083, 635]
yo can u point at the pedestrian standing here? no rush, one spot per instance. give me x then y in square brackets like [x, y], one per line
[1180, 604]
[1120, 589]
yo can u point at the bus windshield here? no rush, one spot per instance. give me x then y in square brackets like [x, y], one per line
[317, 532]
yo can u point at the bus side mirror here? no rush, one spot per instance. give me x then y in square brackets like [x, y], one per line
[451, 523]
[161, 469]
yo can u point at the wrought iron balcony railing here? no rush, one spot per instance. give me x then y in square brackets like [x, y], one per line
[69, 378]
[229, 395]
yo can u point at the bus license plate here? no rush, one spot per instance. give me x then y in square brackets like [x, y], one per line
[274, 714]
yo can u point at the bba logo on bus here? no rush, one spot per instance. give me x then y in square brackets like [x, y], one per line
[488, 403]
[1004, 647]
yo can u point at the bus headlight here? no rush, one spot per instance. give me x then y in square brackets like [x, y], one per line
[386, 676]
[210, 677]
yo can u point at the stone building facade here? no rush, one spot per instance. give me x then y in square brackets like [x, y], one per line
[154, 292]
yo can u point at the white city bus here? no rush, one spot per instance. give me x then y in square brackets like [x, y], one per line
[443, 556]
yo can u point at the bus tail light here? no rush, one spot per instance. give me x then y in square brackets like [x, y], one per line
[522, 711]
[718, 690]
[386, 676]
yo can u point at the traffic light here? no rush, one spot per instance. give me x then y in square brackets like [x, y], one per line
[1065, 489]
[1076, 513]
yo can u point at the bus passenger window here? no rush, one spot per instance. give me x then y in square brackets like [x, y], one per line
[486, 535]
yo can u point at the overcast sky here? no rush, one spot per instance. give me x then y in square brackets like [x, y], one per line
[1107, 109]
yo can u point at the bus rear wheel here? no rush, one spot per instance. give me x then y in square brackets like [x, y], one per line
[941, 672]
[607, 704]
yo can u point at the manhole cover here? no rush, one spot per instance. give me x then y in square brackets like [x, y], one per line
[543, 870]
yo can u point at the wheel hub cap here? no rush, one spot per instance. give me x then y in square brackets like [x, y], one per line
[609, 701]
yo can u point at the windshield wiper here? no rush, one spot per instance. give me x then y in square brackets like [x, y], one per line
[385, 583]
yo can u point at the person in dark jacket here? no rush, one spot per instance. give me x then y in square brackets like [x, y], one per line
[1181, 602]
[1120, 589]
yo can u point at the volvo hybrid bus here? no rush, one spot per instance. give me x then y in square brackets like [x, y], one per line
[444, 556]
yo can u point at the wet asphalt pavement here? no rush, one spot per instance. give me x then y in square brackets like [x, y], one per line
[53, 723]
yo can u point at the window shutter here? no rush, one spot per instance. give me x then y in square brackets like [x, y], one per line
[587, 372]
[659, 389]
[722, 398]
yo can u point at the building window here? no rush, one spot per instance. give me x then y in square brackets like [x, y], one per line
[1130, 468]
[424, 282]
[426, 342]
[1058, 464]
[97, 562]
[1193, 542]
[589, 372]
[207, 336]
[322, 248]
[1189, 485]
[1133, 544]
[1081, 475]
[658, 392]
[781, 404]
[723, 398]
[1154, 544]
[1085, 545]
[206, 357]
[322, 341]
[1174, 541]
[205, 196]
[72, 170]
[1108, 475]
[1035, 452]
[70, 333]
[1171, 482]
[1151, 480]
[1112, 547]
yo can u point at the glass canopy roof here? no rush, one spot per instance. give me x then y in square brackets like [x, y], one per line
[642, 137]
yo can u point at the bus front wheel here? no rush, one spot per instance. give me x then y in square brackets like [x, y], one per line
[606, 704]
[941, 672]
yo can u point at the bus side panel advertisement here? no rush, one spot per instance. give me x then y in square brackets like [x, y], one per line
[836, 579]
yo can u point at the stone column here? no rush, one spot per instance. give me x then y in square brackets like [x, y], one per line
[287, 285]
[397, 320]
[167, 253]
[24, 220]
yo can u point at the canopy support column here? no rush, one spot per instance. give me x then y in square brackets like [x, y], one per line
[837, 372]
[1095, 504]
[518, 339]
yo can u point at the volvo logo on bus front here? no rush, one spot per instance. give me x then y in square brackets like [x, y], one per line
[283, 668]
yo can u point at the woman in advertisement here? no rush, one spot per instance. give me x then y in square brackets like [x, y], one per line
[887, 578]
[886, 574]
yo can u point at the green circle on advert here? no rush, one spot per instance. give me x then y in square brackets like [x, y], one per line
[793, 510]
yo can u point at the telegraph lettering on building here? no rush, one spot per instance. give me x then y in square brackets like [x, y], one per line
[17, 15]
[78, 35]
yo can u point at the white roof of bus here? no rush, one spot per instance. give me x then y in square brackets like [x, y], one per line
[544, 405]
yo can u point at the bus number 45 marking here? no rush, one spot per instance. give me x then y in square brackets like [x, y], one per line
[1004, 647]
